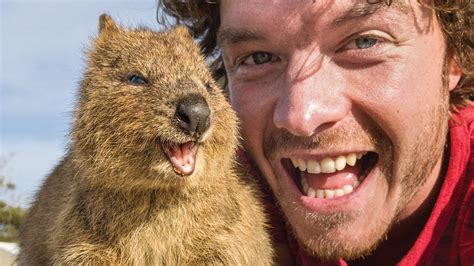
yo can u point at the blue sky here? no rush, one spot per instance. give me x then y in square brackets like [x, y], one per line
[42, 46]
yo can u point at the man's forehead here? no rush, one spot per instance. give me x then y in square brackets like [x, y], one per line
[369, 7]
[240, 25]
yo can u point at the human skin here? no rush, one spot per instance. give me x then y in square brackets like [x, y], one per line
[306, 85]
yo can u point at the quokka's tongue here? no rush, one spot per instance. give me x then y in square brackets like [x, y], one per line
[347, 176]
[183, 157]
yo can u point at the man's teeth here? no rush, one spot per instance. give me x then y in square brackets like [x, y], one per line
[327, 165]
[327, 193]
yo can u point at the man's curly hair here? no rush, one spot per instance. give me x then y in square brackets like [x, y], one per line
[455, 17]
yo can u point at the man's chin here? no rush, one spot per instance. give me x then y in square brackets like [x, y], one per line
[345, 227]
[337, 237]
[331, 246]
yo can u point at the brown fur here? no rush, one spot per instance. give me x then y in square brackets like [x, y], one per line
[115, 198]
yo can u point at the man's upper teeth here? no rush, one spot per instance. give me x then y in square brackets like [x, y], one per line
[326, 165]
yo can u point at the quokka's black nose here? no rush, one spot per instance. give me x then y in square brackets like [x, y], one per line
[193, 114]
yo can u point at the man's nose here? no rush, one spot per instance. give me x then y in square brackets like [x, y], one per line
[310, 104]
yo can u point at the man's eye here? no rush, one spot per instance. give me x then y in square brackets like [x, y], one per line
[258, 58]
[370, 46]
[362, 42]
[137, 79]
[365, 42]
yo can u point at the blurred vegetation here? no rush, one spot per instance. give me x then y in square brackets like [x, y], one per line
[11, 216]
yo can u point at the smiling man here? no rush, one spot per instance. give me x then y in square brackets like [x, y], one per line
[356, 114]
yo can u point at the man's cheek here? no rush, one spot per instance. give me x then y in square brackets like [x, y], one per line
[246, 103]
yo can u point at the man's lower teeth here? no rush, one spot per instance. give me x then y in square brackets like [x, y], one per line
[328, 193]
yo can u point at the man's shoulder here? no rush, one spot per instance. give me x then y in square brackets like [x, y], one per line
[462, 140]
[448, 236]
[464, 130]
[463, 117]
[466, 245]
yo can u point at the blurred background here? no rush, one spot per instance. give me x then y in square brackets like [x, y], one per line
[42, 46]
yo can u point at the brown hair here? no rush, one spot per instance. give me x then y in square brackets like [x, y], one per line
[455, 17]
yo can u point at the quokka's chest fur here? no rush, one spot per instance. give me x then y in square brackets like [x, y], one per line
[150, 174]
[174, 230]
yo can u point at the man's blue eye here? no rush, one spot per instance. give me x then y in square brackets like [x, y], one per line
[137, 79]
[261, 58]
[258, 58]
[365, 42]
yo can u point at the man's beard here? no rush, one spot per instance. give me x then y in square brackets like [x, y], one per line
[415, 168]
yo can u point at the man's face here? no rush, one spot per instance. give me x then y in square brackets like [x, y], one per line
[343, 109]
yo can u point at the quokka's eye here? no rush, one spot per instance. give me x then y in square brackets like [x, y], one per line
[137, 79]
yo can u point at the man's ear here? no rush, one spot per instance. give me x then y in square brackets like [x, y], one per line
[106, 23]
[453, 72]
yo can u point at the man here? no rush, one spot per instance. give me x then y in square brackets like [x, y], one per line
[344, 109]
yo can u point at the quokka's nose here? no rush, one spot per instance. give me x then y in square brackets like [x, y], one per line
[193, 114]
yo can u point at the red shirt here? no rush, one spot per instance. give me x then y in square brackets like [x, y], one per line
[448, 236]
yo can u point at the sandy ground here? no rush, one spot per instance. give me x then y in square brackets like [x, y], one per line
[8, 252]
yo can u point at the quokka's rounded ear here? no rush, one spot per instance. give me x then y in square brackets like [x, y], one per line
[106, 23]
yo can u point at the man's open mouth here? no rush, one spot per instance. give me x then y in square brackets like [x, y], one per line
[181, 156]
[330, 177]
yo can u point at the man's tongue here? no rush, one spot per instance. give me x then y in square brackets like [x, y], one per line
[336, 180]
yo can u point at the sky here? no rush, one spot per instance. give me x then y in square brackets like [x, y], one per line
[42, 45]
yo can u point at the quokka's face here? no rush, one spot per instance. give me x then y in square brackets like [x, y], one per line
[149, 112]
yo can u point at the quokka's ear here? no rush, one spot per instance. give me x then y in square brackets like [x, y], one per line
[106, 23]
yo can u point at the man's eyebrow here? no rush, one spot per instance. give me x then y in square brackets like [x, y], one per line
[233, 35]
[369, 8]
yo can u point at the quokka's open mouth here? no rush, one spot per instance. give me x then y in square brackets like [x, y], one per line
[181, 156]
